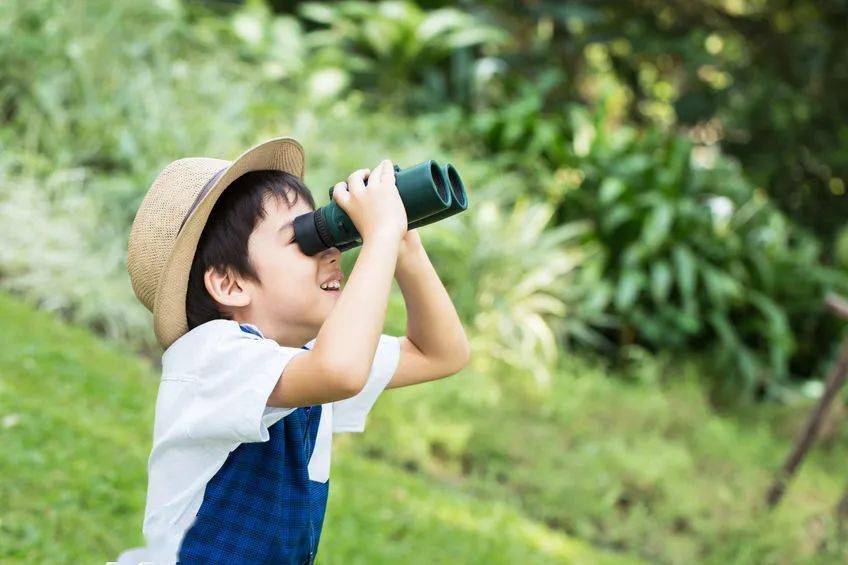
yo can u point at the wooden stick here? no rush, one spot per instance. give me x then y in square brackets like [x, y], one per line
[842, 513]
[838, 304]
[835, 380]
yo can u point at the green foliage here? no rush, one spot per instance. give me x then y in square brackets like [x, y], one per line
[97, 98]
[682, 254]
[842, 248]
[762, 78]
[512, 277]
[640, 462]
[115, 87]
[114, 119]
[395, 48]
[692, 256]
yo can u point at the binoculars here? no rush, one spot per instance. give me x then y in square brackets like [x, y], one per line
[430, 192]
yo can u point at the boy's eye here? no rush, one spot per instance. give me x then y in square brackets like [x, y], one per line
[292, 239]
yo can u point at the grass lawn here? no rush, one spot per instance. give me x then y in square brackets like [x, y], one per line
[75, 425]
[636, 461]
[481, 467]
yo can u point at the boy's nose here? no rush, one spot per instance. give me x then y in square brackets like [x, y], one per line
[331, 254]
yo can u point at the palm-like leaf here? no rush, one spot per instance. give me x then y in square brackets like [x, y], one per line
[517, 269]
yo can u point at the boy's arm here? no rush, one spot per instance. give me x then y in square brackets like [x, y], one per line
[352, 330]
[435, 345]
[339, 364]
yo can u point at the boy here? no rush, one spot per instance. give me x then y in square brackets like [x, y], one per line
[266, 355]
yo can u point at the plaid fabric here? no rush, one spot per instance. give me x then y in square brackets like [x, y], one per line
[261, 506]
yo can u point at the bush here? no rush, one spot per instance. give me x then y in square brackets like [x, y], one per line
[692, 257]
[400, 52]
[103, 112]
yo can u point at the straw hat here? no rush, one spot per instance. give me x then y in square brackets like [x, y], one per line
[171, 218]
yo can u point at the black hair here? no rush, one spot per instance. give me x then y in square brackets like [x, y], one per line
[223, 243]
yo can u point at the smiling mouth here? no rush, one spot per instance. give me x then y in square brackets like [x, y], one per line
[333, 286]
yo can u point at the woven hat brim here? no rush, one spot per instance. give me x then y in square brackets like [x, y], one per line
[169, 313]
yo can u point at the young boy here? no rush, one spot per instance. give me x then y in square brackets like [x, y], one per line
[267, 355]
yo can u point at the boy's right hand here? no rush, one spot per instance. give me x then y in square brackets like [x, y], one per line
[376, 210]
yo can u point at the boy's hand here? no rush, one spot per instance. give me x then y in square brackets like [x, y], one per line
[410, 246]
[376, 210]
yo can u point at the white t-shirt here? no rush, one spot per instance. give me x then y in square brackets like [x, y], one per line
[216, 380]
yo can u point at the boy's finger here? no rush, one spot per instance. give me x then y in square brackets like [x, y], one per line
[340, 188]
[356, 182]
[388, 172]
[383, 170]
[376, 175]
[340, 193]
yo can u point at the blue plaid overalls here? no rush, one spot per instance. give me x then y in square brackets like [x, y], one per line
[261, 506]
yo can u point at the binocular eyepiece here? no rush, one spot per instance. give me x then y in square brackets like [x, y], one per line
[430, 192]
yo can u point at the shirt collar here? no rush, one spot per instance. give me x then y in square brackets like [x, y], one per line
[251, 328]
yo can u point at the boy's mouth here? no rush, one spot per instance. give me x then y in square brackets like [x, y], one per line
[333, 283]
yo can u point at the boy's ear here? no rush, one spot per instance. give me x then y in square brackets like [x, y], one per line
[226, 287]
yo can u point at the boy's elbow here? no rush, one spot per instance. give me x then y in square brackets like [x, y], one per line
[463, 357]
[346, 381]
[351, 386]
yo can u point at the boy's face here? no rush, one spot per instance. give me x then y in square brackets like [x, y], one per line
[289, 305]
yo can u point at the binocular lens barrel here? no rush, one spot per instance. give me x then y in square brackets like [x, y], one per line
[459, 199]
[429, 192]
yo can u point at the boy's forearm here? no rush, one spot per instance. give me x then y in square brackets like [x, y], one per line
[356, 322]
[433, 324]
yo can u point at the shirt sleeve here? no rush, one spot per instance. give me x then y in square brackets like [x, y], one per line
[349, 414]
[235, 377]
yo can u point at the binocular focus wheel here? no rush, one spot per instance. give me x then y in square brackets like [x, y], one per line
[330, 192]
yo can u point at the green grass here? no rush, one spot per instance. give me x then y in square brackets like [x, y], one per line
[639, 462]
[482, 467]
[75, 425]
[380, 514]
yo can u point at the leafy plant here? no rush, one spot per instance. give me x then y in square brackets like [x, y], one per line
[397, 49]
[516, 279]
[692, 256]
[696, 256]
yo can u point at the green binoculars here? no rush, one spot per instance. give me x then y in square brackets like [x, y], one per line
[430, 192]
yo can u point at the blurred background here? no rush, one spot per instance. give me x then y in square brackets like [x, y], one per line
[657, 212]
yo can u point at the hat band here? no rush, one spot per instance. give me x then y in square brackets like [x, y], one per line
[200, 196]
